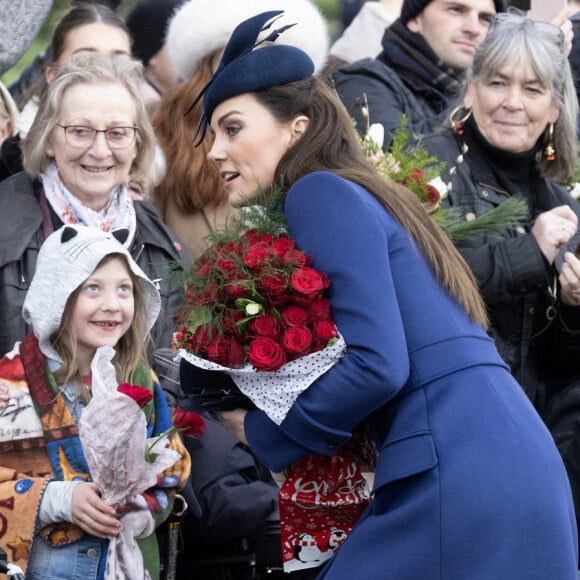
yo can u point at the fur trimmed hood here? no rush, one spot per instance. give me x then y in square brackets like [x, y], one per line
[199, 28]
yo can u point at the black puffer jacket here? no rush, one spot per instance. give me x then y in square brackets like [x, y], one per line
[23, 232]
[513, 275]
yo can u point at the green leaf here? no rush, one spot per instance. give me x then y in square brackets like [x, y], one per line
[200, 316]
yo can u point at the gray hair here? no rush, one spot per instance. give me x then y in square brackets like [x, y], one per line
[89, 68]
[517, 40]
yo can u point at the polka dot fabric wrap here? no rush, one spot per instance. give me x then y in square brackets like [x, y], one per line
[275, 392]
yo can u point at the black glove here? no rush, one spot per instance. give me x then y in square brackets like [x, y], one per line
[211, 390]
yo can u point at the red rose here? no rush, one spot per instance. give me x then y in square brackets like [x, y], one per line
[217, 349]
[264, 325]
[204, 266]
[281, 245]
[325, 330]
[256, 256]
[319, 310]
[294, 316]
[200, 338]
[297, 341]
[415, 175]
[208, 295]
[237, 287]
[308, 281]
[236, 354]
[226, 265]
[140, 395]
[295, 257]
[273, 285]
[230, 321]
[188, 423]
[266, 354]
[249, 238]
[433, 196]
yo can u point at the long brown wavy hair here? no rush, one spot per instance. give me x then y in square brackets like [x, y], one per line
[330, 144]
[191, 180]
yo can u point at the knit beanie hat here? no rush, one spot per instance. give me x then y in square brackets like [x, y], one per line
[147, 22]
[412, 8]
[65, 260]
[199, 28]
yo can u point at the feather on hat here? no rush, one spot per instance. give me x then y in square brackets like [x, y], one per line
[249, 64]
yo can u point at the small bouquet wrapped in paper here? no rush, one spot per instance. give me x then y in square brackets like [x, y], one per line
[113, 434]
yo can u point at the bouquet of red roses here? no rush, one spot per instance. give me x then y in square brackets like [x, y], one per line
[255, 309]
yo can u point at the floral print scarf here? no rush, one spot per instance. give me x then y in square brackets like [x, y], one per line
[118, 213]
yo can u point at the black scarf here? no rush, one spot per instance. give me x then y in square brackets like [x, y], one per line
[408, 51]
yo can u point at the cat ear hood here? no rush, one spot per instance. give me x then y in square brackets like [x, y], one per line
[65, 260]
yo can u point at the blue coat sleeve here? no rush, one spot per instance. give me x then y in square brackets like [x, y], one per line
[349, 236]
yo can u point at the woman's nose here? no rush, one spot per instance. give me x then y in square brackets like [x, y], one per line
[216, 152]
[100, 146]
[513, 99]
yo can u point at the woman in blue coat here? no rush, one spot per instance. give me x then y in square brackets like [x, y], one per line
[468, 484]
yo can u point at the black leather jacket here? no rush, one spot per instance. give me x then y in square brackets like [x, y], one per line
[513, 275]
[22, 234]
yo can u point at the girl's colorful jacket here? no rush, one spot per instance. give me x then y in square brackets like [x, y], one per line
[39, 441]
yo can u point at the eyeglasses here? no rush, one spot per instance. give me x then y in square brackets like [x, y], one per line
[516, 18]
[81, 136]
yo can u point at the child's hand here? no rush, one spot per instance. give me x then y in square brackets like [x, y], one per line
[92, 514]
[3, 395]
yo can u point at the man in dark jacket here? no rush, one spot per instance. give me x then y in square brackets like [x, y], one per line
[418, 73]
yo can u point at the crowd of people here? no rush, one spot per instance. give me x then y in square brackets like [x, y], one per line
[128, 142]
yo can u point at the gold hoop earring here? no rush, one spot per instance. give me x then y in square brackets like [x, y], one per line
[549, 151]
[457, 124]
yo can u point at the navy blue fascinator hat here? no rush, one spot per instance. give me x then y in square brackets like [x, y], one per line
[248, 65]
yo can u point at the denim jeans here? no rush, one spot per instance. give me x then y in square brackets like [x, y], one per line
[81, 560]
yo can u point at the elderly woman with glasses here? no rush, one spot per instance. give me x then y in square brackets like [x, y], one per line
[91, 132]
[514, 133]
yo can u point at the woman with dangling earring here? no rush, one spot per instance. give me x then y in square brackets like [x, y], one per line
[514, 133]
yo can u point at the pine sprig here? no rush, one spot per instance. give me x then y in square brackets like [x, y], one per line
[410, 157]
[263, 214]
[502, 218]
[411, 165]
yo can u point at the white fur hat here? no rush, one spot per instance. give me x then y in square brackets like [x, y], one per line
[201, 27]
[65, 260]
